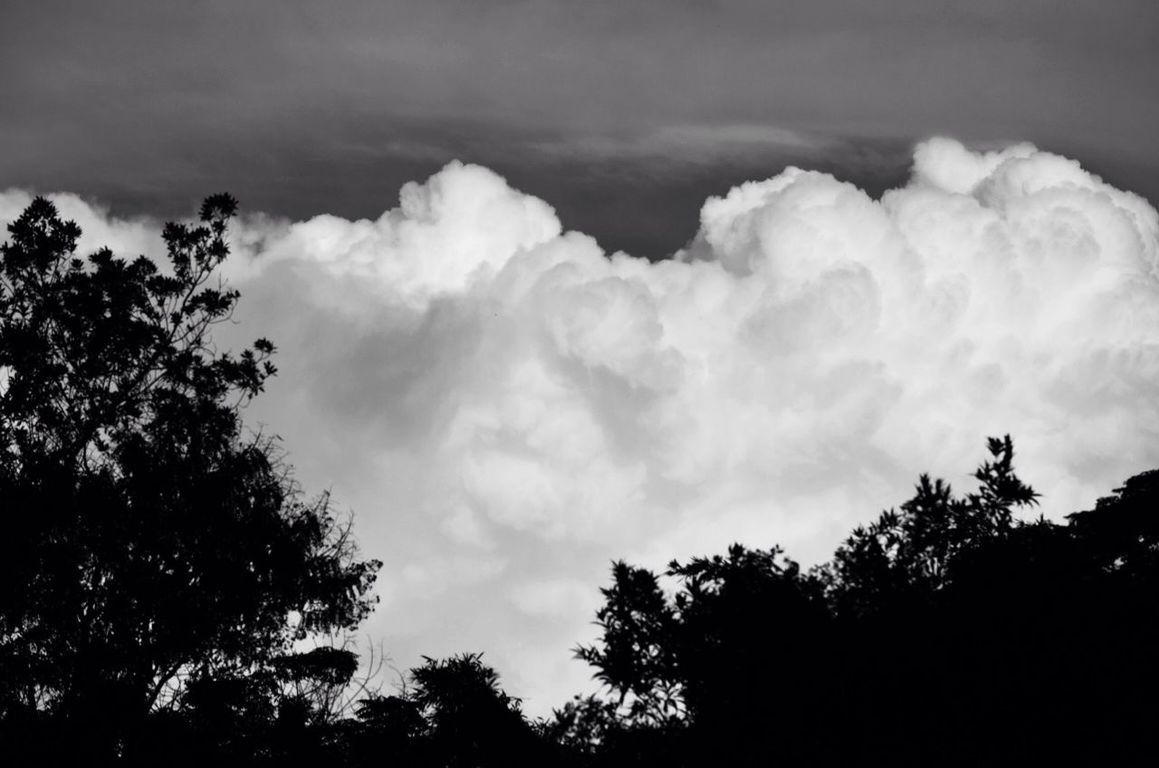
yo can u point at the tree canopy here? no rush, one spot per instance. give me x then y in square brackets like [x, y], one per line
[951, 630]
[152, 543]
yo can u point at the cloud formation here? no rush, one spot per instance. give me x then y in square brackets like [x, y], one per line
[507, 408]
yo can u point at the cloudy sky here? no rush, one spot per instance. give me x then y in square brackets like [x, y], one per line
[624, 114]
[556, 283]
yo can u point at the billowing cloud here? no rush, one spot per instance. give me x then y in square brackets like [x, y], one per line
[507, 407]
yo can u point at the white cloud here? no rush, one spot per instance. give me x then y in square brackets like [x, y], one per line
[131, 237]
[507, 408]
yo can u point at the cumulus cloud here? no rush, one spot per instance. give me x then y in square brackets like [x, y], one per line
[508, 408]
[98, 228]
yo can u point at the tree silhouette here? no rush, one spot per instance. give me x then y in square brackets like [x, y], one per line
[154, 551]
[634, 657]
[908, 556]
[950, 631]
[450, 712]
[391, 730]
[691, 674]
[471, 721]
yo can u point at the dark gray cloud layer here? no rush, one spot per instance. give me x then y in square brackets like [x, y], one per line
[306, 107]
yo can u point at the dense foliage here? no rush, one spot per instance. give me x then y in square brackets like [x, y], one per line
[160, 573]
[949, 631]
[154, 552]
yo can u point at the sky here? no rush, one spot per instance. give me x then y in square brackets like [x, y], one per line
[560, 283]
[306, 108]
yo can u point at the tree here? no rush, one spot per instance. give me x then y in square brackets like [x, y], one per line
[471, 721]
[150, 540]
[587, 728]
[882, 653]
[908, 556]
[699, 676]
[449, 712]
[742, 618]
[634, 657]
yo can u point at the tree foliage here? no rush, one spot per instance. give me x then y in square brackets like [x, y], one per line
[153, 547]
[450, 712]
[951, 630]
[909, 555]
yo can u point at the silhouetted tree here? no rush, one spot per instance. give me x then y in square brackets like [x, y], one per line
[693, 674]
[948, 632]
[154, 553]
[635, 655]
[449, 712]
[908, 556]
[471, 721]
[587, 728]
[391, 730]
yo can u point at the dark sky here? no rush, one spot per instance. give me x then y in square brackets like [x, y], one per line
[624, 114]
